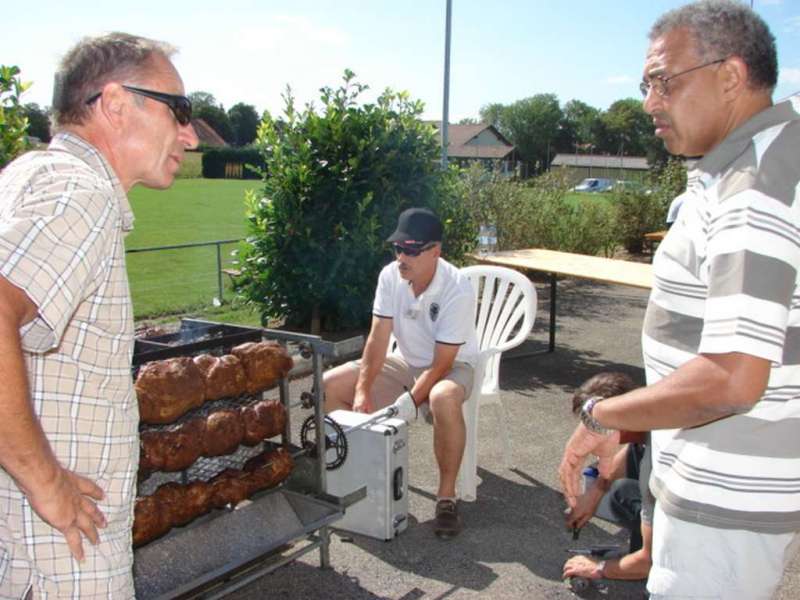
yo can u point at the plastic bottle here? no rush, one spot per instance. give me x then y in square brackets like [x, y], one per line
[589, 477]
[492, 234]
[483, 240]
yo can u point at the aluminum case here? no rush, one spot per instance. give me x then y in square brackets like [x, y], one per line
[377, 458]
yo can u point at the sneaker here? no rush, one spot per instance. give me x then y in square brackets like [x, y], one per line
[447, 523]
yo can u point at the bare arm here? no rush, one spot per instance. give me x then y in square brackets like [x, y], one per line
[371, 362]
[57, 495]
[586, 503]
[444, 355]
[707, 388]
[635, 565]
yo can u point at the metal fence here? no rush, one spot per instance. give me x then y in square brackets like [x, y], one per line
[170, 278]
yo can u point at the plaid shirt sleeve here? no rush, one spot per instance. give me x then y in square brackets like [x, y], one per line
[54, 241]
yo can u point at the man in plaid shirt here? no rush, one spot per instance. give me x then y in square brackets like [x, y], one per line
[68, 413]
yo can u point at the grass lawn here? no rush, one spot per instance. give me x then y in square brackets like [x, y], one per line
[192, 210]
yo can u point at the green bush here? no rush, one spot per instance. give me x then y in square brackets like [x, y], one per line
[334, 184]
[216, 160]
[13, 122]
[191, 167]
[641, 212]
[538, 213]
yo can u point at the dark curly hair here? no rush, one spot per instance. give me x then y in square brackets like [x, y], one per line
[605, 384]
[723, 28]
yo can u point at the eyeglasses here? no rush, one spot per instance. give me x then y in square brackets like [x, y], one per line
[180, 106]
[659, 82]
[411, 251]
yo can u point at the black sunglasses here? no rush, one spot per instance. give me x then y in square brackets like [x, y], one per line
[180, 106]
[411, 251]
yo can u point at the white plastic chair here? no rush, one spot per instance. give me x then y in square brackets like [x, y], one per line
[505, 311]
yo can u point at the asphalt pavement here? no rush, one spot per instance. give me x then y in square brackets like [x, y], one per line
[514, 541]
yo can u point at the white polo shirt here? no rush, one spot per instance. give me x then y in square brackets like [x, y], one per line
[444, 313]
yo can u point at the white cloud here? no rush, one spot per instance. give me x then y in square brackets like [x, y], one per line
[790, 76]
[620, 79]
[792, 24]
[278, 50]
[287, 32]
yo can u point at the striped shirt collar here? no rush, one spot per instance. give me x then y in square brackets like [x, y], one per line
[741, 137]
[80, 148]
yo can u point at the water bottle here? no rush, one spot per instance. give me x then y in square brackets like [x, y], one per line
[589, 477]
[483, 240]
[491, 230]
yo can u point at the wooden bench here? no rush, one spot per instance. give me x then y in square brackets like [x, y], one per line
[653, 239]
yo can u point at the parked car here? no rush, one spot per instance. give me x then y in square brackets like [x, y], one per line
[637, 187]
[594, 184]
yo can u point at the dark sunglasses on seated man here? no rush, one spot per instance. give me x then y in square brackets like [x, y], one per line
[180, 106]
[412, 250]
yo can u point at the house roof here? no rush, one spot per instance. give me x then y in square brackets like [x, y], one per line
[462, 141]
[206, 134]
[638, 163]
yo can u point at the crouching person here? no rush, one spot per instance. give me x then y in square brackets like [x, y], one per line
[429, 307]
[620, 494]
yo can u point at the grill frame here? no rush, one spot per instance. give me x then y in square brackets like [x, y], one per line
[299, 507]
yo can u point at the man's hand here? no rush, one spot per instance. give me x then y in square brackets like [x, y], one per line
[362, 403]
[582, 443]
[405, 407]
[67, 505]
[585, 507]
[582, 566]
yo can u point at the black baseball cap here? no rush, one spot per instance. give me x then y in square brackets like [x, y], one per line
[417, 227]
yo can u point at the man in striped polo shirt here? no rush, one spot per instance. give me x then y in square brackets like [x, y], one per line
[721, 337]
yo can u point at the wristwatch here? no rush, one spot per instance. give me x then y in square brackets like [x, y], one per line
[599, 569]
[588, 420]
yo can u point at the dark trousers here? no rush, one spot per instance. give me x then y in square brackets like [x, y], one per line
[622, 504]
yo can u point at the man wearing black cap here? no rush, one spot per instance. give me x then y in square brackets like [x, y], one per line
[429, 307]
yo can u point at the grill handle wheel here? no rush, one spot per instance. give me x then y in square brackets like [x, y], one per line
[335, 440]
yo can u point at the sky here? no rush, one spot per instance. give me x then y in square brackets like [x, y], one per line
[501, 50]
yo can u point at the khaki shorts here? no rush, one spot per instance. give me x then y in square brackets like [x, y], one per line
[397, 375]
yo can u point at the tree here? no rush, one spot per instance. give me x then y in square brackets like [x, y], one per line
[492, 114]
[531, 124]
[627, 128]
[13, 122]
[244, 123]
[334, 184]
[202, 99]
[217, 118]
[38, 122]
[204, 106]
[581, 124]
[468, 121]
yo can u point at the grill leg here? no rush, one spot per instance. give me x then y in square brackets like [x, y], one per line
[324, 547]
[553, 289]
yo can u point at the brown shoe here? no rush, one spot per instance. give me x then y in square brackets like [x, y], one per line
[447, 523]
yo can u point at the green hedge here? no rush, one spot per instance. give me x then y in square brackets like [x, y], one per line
[216, 163]
[337, 177]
